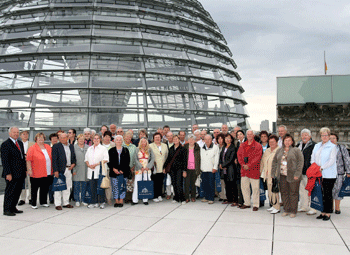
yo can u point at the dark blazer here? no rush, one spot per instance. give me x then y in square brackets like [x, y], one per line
[197, 157]
[179, 161]
[114, 162]
[13, 162]
[307, 152]
[228, 162]
[59, 160]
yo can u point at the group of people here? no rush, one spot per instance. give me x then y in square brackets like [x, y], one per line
[232, 166]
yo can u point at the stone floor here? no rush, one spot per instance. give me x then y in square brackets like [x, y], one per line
[167, 228]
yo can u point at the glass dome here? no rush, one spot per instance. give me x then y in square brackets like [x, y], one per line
[137, 64]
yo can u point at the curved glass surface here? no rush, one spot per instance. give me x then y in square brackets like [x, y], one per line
[138, 64]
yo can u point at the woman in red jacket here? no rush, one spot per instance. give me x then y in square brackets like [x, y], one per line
[39, 169]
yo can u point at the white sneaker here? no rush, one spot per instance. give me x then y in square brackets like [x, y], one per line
[34, 207]
[183, 202]
[96, 205]
[174, 201]
[102, 206]
[160, 199]
[311, 212]
[84, 204]
[90, 206]
[274, 211]
[45, 205]
[77, 204]
[301, 210]
[270, 209]
[156, 200]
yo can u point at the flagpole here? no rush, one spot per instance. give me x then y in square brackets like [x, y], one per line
[325, 64]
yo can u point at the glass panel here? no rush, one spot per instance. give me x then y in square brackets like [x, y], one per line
[166, 66]
[63, 79]
[165, 53]
[166, 82]
[14, 117]
[116, 80]
[12, 81]
[62, 98]
[20, 47]
[14, 101]
[169, 101]
[69, 30]
[341, 89]
[117, 63]
[59, 117]
[301, 90]
[66, 45]
[208, 89]
[105, 115]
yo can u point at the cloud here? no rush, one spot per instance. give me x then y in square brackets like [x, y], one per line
[271, 38]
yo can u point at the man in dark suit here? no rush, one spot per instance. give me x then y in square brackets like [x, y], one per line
[63, 161]
[14, 170]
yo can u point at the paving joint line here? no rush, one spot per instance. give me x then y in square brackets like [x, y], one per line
[148, 227]
[273, 233]
[210, 228]
[340, 236]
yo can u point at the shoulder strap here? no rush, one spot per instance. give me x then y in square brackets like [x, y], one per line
[167, 169]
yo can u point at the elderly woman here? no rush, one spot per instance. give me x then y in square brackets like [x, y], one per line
[160, 151]
[119, 160]
[265, 171]
[108, 144]
[132, 148]
[142, 134]
[343, 167]
[175, 166]
[227, 167]
[287, 166]
[87, 136]
[95, 157]
[193, 167]
[324, 155]
[221, 143]
[39, 169]
[80, 170]
[306, 146]
[144, 161]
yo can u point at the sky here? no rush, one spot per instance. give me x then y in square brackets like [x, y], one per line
[273, 38]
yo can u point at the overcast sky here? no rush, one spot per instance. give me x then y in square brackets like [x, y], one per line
[273, 38]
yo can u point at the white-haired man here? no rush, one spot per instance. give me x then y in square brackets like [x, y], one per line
[282, 131]
[87, 136]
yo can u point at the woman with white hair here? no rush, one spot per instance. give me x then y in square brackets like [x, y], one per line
[324, 155]
[87, 136]
[119, 160]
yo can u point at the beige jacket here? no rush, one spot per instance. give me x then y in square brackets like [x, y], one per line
[160, 158]
[266, 163]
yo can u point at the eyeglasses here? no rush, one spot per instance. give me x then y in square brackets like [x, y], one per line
[324, 135]
[70, 132]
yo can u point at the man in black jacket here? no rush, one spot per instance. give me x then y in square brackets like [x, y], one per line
[63, 161]
[14, 170]
[306, 145]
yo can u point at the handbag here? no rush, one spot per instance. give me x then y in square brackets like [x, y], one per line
[218, 182]
[275, 187]
[345, 188]
[167, 169]
[105, 183]
[316, 196]
[59, 184]
[87, 197]
[145, 188]
[198, 181]
[262, 191]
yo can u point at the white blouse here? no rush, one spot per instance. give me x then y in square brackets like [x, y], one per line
[95, 155]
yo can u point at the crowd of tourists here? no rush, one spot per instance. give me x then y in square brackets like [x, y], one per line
[111, 167]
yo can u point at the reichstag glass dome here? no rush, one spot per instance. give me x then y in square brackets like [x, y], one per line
[138, 64]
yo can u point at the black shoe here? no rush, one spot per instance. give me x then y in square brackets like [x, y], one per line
[7, 213]
[145, 203]
[116, 205]
[221, 199]
[320, 217]
[326, 218]
[18, 211]
[132, 203]
[121, 205]
[21, 202]
[337, 212]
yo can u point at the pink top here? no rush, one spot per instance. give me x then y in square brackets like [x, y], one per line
[191, 164]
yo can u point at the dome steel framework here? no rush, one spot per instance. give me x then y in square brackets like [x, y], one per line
[79, 63]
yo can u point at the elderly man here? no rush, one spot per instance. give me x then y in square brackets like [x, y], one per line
[234, 134]
[63, 161]
[87, 136]
[224, 129]
[24, 135]
[182, 136]
[120, 131]
[92, 134]
[166, 129]
[199, 140]
[249, 155]
[194, 128]
[306, 145]
[203, 133]
[113, 129]
[215, 134]
[14, 170]
[169, 137]
[282, 131]
[209, 166]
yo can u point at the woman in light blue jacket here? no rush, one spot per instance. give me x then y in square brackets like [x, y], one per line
[324, 155]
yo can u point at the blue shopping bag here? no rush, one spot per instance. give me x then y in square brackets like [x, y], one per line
[59, 184]
[262, 190]
[217, 181]
[316, 196]
[87, 198]
[345, 188]
[145, 188]
[122, 186]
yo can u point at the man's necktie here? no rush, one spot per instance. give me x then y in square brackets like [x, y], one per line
[18, 146]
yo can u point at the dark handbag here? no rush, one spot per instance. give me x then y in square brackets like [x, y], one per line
[145, 188]
[218, 182]
[87, 197]
[100, 191]
[316, 196]
[262, 190]
[345, 188]
[275, 187]
[59, 184]
[168, 167]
